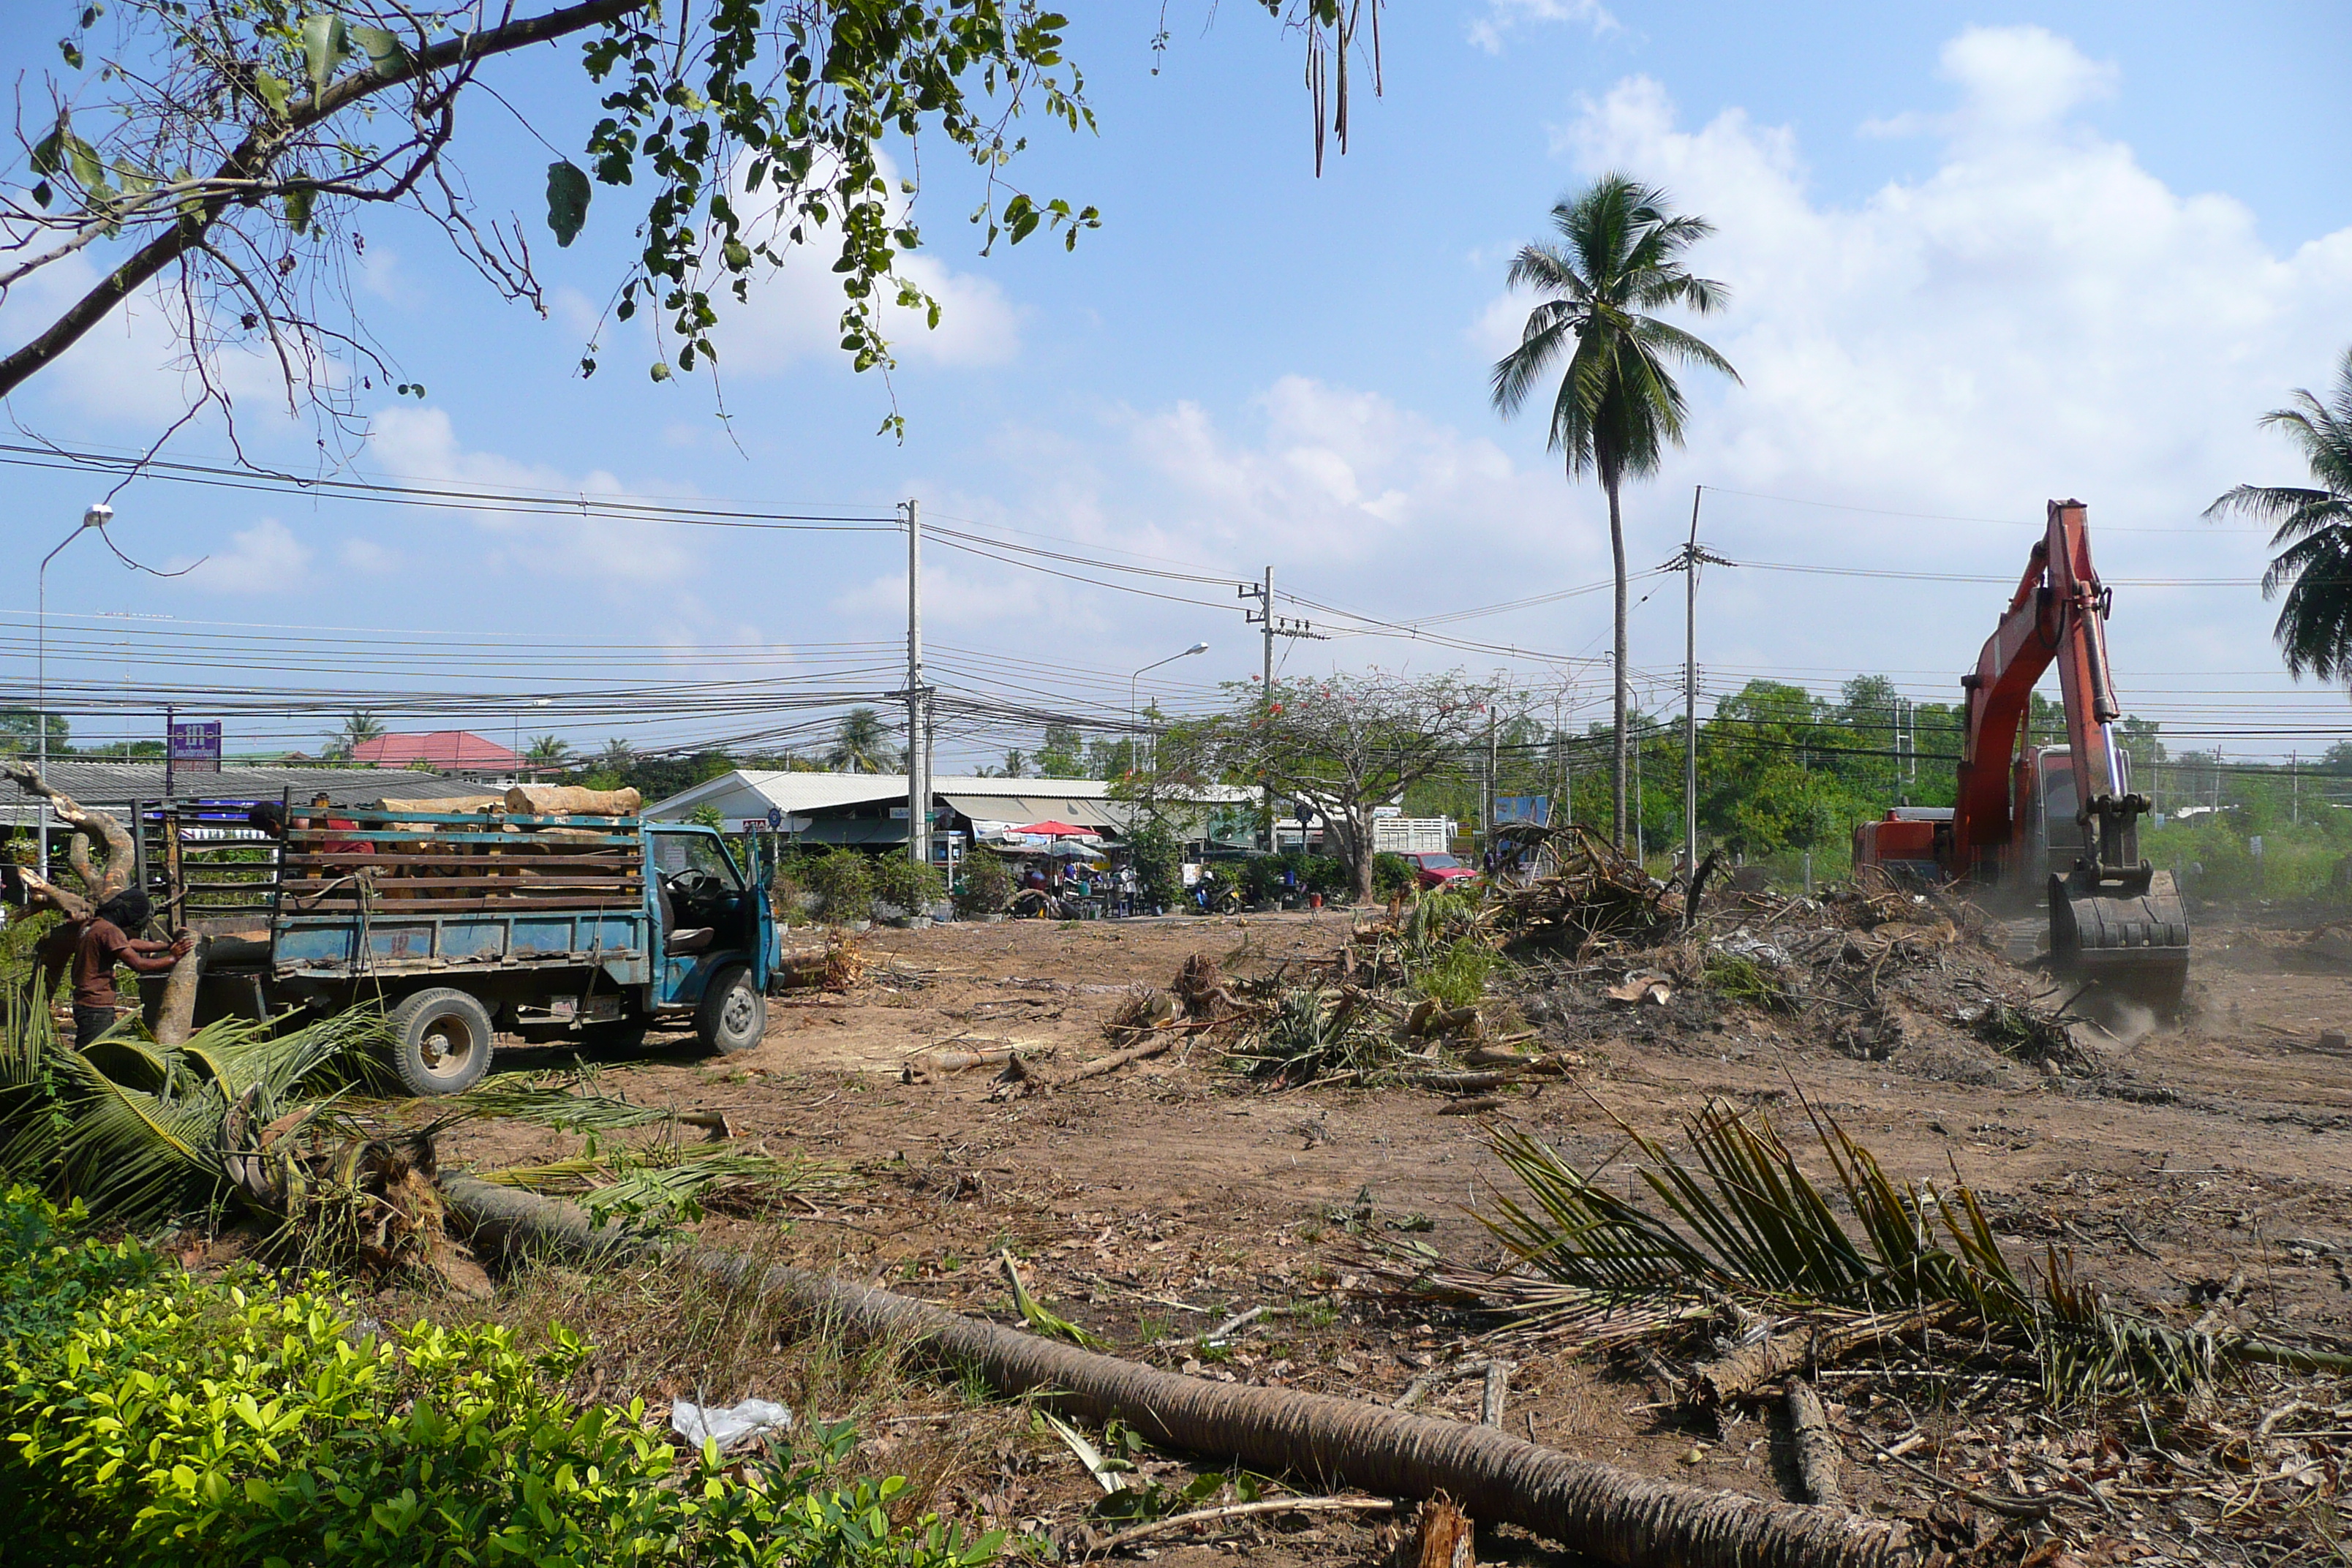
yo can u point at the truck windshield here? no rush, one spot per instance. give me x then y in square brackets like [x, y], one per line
[1437, 862]
[677, 852]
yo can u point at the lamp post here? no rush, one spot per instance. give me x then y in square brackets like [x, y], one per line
[98, 516]
[1134, 728]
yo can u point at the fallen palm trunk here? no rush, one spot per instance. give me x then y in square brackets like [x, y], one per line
[1607, 1515]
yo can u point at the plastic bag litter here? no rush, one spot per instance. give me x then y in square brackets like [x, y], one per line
[1742, 944]
[731, 1426]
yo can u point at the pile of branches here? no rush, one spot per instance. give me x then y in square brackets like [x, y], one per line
[1587, 899]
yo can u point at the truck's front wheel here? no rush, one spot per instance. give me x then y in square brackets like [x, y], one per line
[441, 1041]
[733, 1015]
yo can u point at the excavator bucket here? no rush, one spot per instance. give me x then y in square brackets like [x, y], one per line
[2134, 941]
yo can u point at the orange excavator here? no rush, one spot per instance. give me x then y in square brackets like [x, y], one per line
[2060, 821]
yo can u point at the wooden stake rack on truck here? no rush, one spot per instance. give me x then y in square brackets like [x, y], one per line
[463, 922]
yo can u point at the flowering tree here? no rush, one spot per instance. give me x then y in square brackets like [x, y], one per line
[1342, 743]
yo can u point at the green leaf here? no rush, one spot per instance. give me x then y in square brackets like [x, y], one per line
[298, 199]
[384, 51]
[326, 42]
[72, 52]
[567, 199]
[84, 159]
[273, 93]
[48, 153]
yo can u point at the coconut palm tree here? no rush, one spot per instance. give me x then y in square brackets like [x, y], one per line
[1618, 255]
[861, 745]
[548, 753]
[360, 726]
[2314, 532]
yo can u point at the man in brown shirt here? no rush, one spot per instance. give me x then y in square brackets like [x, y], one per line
[105, 943]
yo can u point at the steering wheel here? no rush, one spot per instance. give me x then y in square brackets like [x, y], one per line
[695, 884]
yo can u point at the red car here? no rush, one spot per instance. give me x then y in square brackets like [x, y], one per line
[1431, 869]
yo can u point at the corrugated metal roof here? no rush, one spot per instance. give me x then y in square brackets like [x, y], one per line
[1017, 809]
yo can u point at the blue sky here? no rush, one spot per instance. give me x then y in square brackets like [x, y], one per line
[1980, 257]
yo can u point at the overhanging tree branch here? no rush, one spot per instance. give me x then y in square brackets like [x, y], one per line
[253, 157]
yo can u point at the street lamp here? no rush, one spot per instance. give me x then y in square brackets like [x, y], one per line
[1133, 728]
[98, 516]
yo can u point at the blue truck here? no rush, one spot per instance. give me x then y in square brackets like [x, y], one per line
[464, 924]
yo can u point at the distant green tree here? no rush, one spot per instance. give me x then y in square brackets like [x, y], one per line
[547, 751]
[1060, 754]
[1017, 764]
[2313, 534]
[20, 733]
[1764, 785]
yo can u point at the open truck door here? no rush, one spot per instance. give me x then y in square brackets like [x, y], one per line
[714, 931]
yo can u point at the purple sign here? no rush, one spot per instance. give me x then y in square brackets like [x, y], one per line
[194, 745]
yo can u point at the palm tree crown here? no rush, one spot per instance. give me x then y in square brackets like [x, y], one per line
[859, 744]
[2313, 532]
[1619, 256]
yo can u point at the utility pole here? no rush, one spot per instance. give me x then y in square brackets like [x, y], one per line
[1688, 561]
[1265, 698]
[2295, 783]
[919, 741]
[1489, 812]
[1274, 626]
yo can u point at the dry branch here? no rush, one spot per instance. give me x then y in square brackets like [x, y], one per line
[90, 828]
[1817, 1450]
[1241, 1510]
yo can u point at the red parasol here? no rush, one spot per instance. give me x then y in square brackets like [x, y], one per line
[1052, 829]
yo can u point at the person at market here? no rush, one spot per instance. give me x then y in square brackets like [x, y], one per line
[106, 942]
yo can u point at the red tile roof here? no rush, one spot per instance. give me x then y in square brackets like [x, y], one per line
[440, 749]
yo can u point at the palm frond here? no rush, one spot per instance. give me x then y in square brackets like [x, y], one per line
[136, 1157]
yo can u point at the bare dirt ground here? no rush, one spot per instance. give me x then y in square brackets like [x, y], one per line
[2196, 1169]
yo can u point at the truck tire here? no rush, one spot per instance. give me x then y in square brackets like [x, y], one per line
[440, 1041]
[733, 1015]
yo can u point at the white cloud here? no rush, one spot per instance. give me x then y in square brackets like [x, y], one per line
[793, 313]
[2039, 316]
[264, 559]
[420, 443]
[366, 555]
[1503, 15]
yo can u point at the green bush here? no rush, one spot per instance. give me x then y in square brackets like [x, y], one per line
[1158, 864]
[986, 885]
[1327, 875]
[843, 881]
[1392, 875]
[899, 882]
[1457, 974]
[160, 1419]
